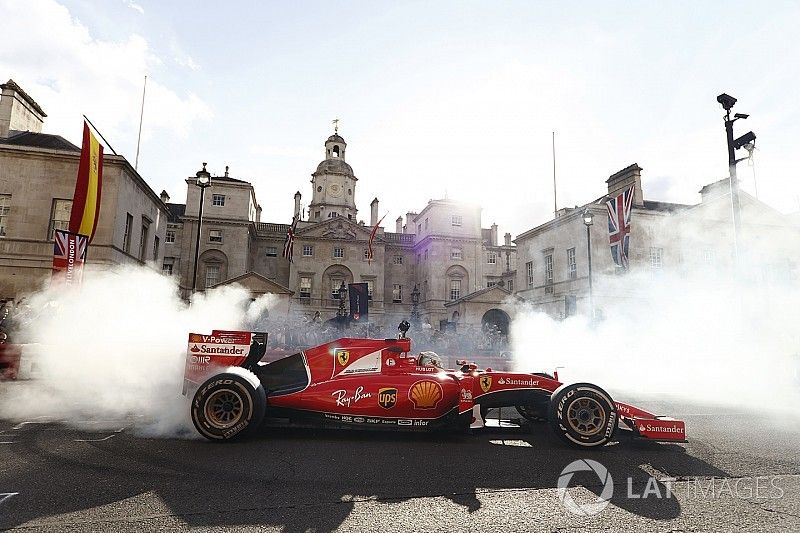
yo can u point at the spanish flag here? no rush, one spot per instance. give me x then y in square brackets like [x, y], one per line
[86, 200]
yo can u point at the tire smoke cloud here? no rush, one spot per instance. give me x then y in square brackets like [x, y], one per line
[113, 351]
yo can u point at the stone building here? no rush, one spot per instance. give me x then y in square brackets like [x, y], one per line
[442, 251]
[37, 181]
[684, 240]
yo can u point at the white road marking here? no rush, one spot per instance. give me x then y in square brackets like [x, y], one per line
[97, 440]
[6, 495]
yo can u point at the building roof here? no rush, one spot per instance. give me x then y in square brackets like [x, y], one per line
[336, 166]
[227, 178]
[652, 205]
[11, 84]
[176, 211]
[40, 140]
[335, 138]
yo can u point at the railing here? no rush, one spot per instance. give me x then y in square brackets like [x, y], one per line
[330, 303]
[401, 238]
[269, 227]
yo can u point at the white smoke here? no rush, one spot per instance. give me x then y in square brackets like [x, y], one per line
[113, 350]
[687, 338]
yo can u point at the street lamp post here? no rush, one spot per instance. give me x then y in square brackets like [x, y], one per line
[414, 304]
[588, 221]
[727, 101]
[203, 181]
[341, 313]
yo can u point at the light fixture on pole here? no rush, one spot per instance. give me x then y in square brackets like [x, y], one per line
[588, 220]
[203, 181]
[727, 101]
[341, 313]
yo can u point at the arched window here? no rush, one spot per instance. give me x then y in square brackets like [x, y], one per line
[335, 151]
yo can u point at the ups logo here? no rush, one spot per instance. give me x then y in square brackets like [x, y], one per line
[387, 397]
[343, 356]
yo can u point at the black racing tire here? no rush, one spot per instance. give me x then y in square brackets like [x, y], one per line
[228, 406]
[583, 415]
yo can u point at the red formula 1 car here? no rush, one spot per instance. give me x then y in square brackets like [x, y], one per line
[379, 383]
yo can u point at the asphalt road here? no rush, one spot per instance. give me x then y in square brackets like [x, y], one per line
[738, 472]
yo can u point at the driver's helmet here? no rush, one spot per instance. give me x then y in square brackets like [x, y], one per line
[429, 359]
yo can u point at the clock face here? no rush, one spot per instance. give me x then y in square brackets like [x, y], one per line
[335, 190]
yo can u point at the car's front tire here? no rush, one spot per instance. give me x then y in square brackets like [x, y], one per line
[228, 405]
[583, 415]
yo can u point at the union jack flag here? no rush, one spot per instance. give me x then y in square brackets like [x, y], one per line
[619, 226]
[370, 253]
[288, 245]
[69, 255]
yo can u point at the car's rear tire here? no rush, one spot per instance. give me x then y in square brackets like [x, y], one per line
[229, 405]
[583, 415]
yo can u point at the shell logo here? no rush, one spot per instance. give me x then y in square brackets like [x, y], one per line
[425, 394]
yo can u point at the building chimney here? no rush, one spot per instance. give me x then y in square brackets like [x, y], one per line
[373, 216]
[623, 179]
[507, 239]
[18, 111]
[494, 235]
[164, 196]
[398, 225]
[258, 213]
[297, 197]
[410, 227]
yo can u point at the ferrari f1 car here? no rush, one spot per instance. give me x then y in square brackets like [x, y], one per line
[380, 384]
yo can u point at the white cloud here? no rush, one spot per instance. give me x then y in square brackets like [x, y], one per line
[69, 72]
[134, 6]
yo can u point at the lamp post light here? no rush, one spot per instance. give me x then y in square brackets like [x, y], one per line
[414, 304]
[341, 313]
[588, 221]
[203, 181]
[745, 141]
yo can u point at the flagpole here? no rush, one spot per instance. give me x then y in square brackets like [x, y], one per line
[141, 117]
[101, 135]
[555, 196]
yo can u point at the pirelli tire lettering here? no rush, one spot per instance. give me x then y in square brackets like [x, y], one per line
[583, 414]
[228, 406]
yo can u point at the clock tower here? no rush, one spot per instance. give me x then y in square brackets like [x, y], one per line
[334, 184]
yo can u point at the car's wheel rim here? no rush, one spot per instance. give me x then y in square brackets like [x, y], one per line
[224, 408]
[586, 416]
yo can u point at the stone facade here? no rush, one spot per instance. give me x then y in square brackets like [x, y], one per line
[442, 250]
[37, 182]
[684, 240]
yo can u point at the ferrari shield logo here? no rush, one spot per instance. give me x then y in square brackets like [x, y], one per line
[343, 356]
[486, 383]
[387, 397]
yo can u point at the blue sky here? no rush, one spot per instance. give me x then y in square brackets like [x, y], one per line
[435, 98]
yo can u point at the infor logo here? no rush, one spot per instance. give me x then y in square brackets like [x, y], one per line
[589, 508]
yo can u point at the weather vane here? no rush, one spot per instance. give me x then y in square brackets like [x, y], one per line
[335, 125]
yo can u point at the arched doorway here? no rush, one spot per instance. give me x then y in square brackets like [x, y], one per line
[495, 318]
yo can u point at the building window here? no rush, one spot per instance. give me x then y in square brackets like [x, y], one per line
[370, 284]
[419, 229]
[709, 257]
[455, 253]
[305, 287]
[490, 284]
[456, 220]
[548, 274]
[316, 215]
[455, 289]
[529, 273]
[60, 218]
[397, 293]
[126, 239]
[366, 254]
[426, 255]
[426, 223]
[397, 260]
[571, 265]
[170, 237]
[156, 244]
[215, 235]
[143, 238]
[338, 253]
[272, 251]
[218, 200]
[511, 285]
[212, 275]
[168, 266]
[491, 258]
[655, 258]
[308, 250]
[5, 207]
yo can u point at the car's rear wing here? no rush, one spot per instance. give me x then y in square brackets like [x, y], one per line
[209, 354]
